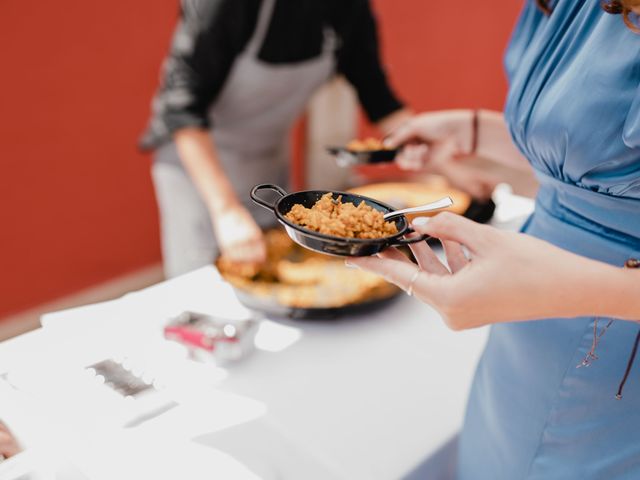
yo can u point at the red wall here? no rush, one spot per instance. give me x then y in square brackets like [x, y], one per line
[443, 55]
[76, 203]
[447, 54]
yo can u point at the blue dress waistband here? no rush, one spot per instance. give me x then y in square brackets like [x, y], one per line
[617, 219]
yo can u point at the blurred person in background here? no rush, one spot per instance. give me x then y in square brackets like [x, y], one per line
[550, 293]
[238, 74]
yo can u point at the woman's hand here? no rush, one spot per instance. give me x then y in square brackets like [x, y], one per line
[435, 141]
[432, 138]
[504, 276]
[394, 120]
[239, 237]
[8, 444]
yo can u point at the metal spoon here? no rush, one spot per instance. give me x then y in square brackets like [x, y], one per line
[438, 204]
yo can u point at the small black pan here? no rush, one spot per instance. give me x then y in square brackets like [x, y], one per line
[347, 158]
[329, 244]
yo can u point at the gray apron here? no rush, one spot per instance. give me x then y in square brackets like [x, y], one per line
[251, 118]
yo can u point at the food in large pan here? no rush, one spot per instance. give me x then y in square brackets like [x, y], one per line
[295, 282]
[411, 194]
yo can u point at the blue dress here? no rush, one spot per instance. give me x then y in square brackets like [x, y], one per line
[573, 109]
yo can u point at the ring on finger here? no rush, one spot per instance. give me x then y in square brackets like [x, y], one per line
[415, 276]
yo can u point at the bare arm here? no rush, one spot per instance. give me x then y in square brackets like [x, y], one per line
[239, 237]
[200, 159]
[497, 284]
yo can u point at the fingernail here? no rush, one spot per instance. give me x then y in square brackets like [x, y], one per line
[349, 265]
[420, 221]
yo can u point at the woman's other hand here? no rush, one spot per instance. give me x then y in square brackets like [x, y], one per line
[8, 444]
[432, 138]
[239, 237]
[435, 142]
[502, 276]
[394, 121]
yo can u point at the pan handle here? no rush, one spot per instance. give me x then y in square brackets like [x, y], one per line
[408, 241]
[260, 201]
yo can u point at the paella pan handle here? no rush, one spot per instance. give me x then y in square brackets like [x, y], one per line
[263, 203]
[408, 241]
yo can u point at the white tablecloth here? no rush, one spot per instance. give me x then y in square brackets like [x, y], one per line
[364, 397]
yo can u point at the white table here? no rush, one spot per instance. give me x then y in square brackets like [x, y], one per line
[365, 397]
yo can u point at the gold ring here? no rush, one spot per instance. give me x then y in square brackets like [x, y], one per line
[412, 281]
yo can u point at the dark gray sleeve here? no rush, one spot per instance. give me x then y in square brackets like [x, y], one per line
[360, 62]
[206, 41]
